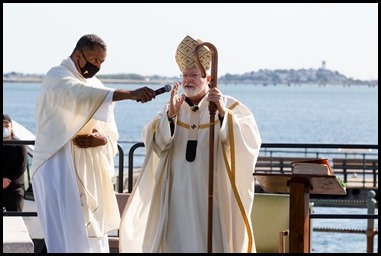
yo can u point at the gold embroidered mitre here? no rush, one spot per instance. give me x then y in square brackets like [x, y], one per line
[186, 55]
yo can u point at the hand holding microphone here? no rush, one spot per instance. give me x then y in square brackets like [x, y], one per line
[166, 88]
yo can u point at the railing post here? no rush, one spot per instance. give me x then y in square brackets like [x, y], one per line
[131, 164]
[375, 175]
[345, 171]
[363, 171]
[121, 168]
[370, 232]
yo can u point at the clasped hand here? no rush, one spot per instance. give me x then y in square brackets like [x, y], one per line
[93, 139]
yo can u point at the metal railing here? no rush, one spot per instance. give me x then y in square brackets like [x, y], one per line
[371, 204]
[272, 150]
[363, 152]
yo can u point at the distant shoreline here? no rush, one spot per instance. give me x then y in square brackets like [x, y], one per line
[320, 76]
[22, 80]
[162, 82]
[109, 81]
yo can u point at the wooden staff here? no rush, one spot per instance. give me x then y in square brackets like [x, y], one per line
[212, 112]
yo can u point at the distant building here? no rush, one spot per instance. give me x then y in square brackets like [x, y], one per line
[323, 64]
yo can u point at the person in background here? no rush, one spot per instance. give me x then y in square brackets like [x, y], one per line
[167, 210]
[15, 161]
[75, 147]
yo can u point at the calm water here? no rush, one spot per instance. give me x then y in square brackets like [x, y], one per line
[285, 114]
[323, 242]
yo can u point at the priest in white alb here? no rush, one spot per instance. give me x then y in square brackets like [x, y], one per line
[75, 147]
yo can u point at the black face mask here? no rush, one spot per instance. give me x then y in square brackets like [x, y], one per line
[89, 70]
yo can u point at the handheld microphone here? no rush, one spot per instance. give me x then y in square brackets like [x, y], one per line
[166, 88]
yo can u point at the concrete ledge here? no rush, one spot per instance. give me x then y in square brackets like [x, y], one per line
[16, 238]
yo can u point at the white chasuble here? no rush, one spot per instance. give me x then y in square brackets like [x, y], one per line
[168, 208]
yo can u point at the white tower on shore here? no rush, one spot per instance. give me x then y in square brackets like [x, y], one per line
[323, 64]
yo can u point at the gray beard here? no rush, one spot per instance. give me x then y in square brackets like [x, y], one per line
[192, 92]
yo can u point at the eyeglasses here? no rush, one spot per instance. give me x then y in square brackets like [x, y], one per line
[191, 76]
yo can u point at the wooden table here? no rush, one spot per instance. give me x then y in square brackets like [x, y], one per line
[299, 186]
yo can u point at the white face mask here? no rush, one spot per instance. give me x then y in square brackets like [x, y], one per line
[6, 132]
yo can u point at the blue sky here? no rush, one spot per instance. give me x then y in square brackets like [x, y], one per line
[142, 38]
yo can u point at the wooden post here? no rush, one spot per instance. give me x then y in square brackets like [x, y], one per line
[299, 217]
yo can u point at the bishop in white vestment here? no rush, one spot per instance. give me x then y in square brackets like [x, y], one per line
[167, 210]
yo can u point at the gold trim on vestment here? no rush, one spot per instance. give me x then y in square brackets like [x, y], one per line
[231, 171]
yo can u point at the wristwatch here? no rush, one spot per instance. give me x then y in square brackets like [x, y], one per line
[170, 119]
